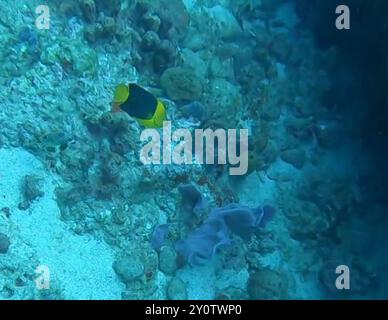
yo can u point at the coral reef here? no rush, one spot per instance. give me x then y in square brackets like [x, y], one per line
[75, 195]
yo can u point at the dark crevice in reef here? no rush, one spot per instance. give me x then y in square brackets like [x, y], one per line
[359, 86]
[363, 54]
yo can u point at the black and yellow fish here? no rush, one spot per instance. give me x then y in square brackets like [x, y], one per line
[140, 104]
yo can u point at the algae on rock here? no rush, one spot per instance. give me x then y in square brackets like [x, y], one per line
[181, 84]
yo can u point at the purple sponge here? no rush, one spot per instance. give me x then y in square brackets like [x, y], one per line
[203, 242]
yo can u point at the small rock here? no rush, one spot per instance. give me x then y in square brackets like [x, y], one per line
[268, 156]
[328, 134]
[281, 47]
[4, 243]
[295, 157]
[279, 176]
[6, 211]
[176, 289]
[128, 268]
[307, 220]
[31, 190]
[167, 260]
[89, 10]
[109, 26]
[164, 55]
[24, 205]
[194, 109]
[115, 123]
[93, 32]
[232, 293]
[32, 187]
[270, 112]
[299, 128]
[86, 61]
[303, 107]
[118, 216]
[69, 9]
[266, 284]
[226, 25]
[150, 40]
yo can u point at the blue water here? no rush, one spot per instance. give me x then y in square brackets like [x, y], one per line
[298, 105]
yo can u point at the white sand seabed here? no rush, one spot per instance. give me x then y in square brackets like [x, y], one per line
[80, 265]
